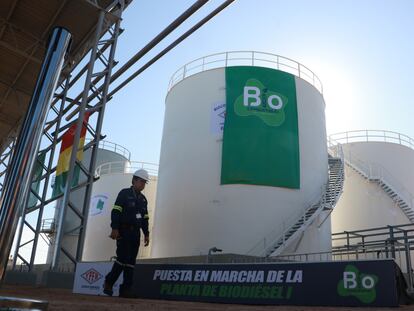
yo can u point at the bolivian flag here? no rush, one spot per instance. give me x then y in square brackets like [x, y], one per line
[64, 157]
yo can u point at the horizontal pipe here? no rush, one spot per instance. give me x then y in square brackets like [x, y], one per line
[172, 45]
[174, 25]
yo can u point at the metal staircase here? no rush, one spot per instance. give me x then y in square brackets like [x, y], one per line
[378, 174]
[331, 193]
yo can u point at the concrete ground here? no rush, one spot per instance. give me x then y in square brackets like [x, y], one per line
[64, 300]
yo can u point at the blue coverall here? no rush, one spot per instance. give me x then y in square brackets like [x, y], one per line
[129, 215]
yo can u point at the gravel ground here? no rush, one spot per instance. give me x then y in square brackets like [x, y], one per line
[64, 300]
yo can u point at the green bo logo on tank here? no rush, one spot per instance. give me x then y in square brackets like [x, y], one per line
[260, 137]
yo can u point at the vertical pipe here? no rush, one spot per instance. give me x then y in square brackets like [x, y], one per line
[17, 185]
[49, 167]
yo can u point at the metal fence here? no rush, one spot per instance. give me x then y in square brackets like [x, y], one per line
[108, 145]
[372, 136]
[126, 167]
[246, 58]
[396, 242]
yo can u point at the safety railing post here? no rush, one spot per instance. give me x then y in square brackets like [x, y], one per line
[347, 240]
[408, 260]
[391, 239]
[184, 71]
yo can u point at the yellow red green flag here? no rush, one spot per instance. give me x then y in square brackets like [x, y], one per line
[66, 147]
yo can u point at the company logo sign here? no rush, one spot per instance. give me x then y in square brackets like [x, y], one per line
[98, 204]
[357, 284]
[257, 100]
[91, 276]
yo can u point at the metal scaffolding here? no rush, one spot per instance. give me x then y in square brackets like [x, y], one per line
[5, 161]
[82, 91]
[59, 219]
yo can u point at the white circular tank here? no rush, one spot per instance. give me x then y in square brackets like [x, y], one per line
[194, 211]
[378, 180]
[107, 152]
[113, 177]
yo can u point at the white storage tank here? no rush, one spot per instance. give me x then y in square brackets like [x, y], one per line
[113, 177]
[107, 152]
[379, 185]
[203, 202]
[115, 169]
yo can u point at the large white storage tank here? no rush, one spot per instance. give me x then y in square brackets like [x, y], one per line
[194, 210]
[115, 170]
[379, 184]
[107, 152]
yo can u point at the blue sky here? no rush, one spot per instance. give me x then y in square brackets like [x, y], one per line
[361, 50]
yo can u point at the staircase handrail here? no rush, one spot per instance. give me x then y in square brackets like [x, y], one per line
[374, 171]
[319, 201]
[335, 149]
[265, 243]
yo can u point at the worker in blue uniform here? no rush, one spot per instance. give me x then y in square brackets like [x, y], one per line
[129, 215]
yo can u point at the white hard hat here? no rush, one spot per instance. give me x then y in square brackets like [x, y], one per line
[143, 174]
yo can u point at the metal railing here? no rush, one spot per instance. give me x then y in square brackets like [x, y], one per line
[108, 145]
[375, 171]
[246, 58]
[373, 136]
[261, 247]
[48, 225]
[318, 202]
[357, 252]
[389, 242]
[125, 167]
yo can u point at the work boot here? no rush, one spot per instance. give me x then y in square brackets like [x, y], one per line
[108, 289]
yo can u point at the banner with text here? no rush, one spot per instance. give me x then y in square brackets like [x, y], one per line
[359, 283]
